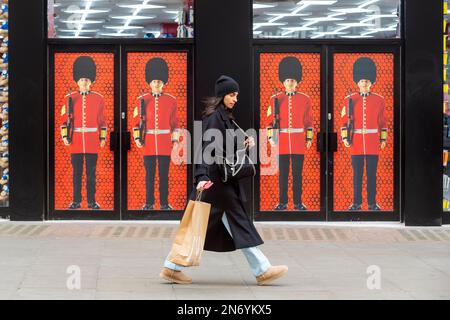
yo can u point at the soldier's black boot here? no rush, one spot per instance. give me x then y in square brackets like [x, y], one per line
[147, 206]
[354, 207]
[300, 206]
[166, 207]
[281, 206]
[374, 207]
[74, 205]
[94, 206]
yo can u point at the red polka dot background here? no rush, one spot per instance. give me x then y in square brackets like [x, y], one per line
[177, 87]
[343, 173]
[104, 84]
[310, 85]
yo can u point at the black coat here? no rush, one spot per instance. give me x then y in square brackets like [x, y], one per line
[224, 197]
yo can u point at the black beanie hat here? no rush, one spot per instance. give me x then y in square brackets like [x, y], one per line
[290, 68]
[156, 69]
[84, 67]
[225, 85]
[364, 69]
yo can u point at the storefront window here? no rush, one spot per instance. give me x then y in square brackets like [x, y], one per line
[4, 124]
[327, 19]
[446, 133]
[120, 19]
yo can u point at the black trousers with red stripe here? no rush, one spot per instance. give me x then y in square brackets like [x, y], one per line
[284, 161]
[371, 173]
[150, 170]
[91, 168]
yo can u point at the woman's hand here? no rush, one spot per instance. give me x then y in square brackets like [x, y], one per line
[203, 185]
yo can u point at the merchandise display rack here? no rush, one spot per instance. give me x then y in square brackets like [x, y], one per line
[446, 110]
[4, 107]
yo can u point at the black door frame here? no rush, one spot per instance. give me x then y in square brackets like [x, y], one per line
[366, 215]
[273, 215]
[153, 214]
[119, 136]
[51, 213]
[326, 50]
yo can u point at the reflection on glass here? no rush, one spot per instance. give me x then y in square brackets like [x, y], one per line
[325, 19]
[120, 19]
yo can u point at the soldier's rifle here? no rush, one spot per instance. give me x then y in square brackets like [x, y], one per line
[142, 119]
[350, 119]
[276, 117]
[70, 117]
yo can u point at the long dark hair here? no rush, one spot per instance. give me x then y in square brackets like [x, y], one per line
[211, 105]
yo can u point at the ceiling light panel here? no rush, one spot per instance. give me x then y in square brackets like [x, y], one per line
[109, 15]
[329, 17]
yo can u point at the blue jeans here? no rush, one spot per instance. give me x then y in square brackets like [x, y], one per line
[256, 259]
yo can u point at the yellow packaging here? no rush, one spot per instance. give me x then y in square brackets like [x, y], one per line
[445, 7]
[446, 88]
[445, 58]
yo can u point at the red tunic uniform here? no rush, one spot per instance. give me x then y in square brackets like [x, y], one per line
[162, 123]
[295, 121]
[369, 123]
[89, 121]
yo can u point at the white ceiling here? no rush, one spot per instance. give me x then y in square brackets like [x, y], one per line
[320, 19]
[140, 20]
[331, 18]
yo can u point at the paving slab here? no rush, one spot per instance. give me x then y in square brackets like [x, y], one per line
[119, 261]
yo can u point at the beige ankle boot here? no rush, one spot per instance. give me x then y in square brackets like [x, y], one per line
[175, 276]
[274, 272]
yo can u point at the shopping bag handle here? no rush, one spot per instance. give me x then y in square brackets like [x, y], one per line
[199, 195]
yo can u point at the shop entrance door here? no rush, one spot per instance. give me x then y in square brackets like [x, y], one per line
[307, 172]
[97, 170]
[84, 156]
[155, 131]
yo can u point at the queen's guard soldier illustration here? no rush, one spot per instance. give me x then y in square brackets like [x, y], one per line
[83, 129]
[364, 131]
[156, 131]
[289, 120]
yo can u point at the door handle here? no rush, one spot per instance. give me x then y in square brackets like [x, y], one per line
[113, 138]
[321, 142]
[126, 140]
[332, 142]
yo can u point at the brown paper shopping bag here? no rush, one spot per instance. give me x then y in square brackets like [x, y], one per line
[189, 240]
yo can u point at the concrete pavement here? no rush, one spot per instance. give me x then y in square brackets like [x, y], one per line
[122, 260]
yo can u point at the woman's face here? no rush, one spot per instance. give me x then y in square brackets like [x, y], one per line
[230, 99]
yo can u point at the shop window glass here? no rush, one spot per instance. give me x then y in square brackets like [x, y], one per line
[446, 110]
[4, 107]
[326, 19]
[120, 19]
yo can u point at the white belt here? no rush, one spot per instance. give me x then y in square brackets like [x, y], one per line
[366, 131]
[292, 130]
[157, 131]
[85, 129]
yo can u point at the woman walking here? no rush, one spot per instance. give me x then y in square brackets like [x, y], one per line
[229, 226]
